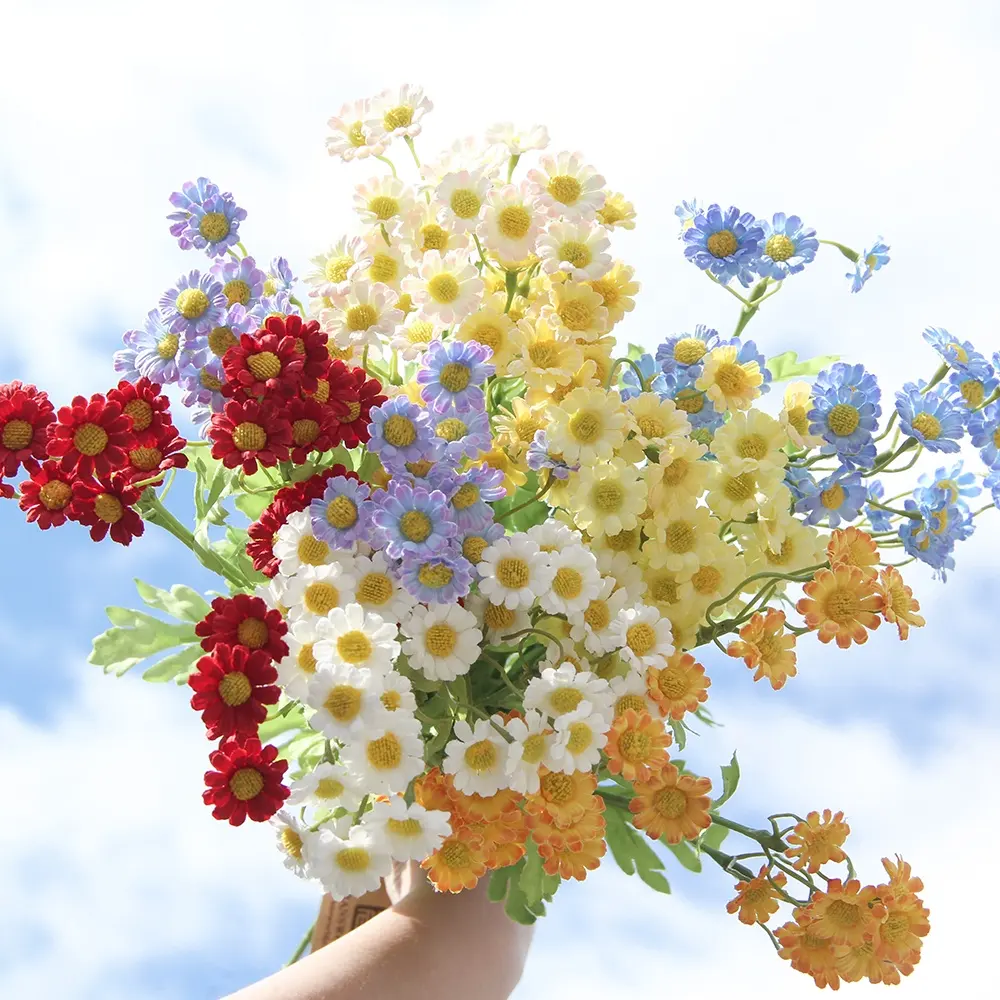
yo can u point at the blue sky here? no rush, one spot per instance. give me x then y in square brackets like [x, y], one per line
[864, 119]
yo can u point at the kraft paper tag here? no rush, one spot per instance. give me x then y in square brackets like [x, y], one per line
[337, 919]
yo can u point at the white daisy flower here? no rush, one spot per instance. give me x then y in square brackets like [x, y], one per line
[553, 536]
[443, 640]
[344, 261]
[429, 227]
[517, 141]
[296, 546]
[346, 701]
[293, 839]
[477, 758]
[379, 590]
[445, 288]
[580, 734]
[514, 571]
[413, 340]
[561, 689]
[631, 691]
[497, 620]
[353, 135]
[350, 865]
[592, 625]
[317, 590]
[298, 668]
[568, 187]
[400, 112]
[512, 221]
[387, 757]
[384, 201]
[577, 581]
[463, 193]
[388, 264]
[576, 249]
[328, 787]
[468, 153]
[531, 749]
[411, 832]
[275, 593]
[357, 638]
[643, 636]
[397, 693]
[361, 313]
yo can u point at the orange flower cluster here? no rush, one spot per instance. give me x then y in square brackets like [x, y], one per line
[566, 822]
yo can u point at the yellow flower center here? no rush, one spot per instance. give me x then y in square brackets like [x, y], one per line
[17, 434]
[779, 247]
[740, 488]
[391, 700]
[544, 354]
[680, 537]
[455, 377]
[336, 268]
[252, 633]
[498, 617]
[433, 237]
[415, 526]
[721, 244]
[842, 605]
[624, 541]
[634, 745]
[236, 291]
[354, 646]
[108, 508]
[220, 340]
[833, 498]
[434, 575]
[451, 429]
[973, 392]
[576, 315]
[361, 317]
[514, 221]
[640, 638]
[672, 683]
[481, 756]
[443, 288]
[611, 213]
[581, 736]
[636, 703]
[690, 400]
[55, 494]
[214, 226]
[961, 355]
[398, 117]
[752, 446]
[90, 439]
[565, 699]
[383, 207]
[607, 289]
[843, 419]
[291, 843]
[356, 134]
[663, 588]
[353, 859]
[557, 788]
[191, 303]
[488, 335]
[465, 203]
[329, 788]
[732, 379]
[249, 437]
[533, 748]
[399, 431]
[608, 496]
[575, 253]
[467, 495]
[141, 413]
[843, 914]
[928, 425]
[440, 639]
[321, 598]
[264, 365]
[473, 547]
[404, 827]
[670, 803]
[455, 855]
[586, 426]
[597, 615]
[798, 419]
[343, 702]
[651, 427]
[782, 557]
[209, 381]
[513, 572]
[341, 513]
[235, 689]
[706, 581]
[374, 589]
[894, 928]
[769, 646]
[306, 659]
[689, 350]
[564, 188]
[167, 346]
[312, 551]
[567, 583]
[419, 332]
[247, 783]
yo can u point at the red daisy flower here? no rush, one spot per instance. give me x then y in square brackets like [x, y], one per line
[333, 387]
[106, 506]
[262, 364]
[157, 453]
[46, 496]
[242, 620]
[246, 780]
[310, 345]
[145, 404]
[312, 428]
[25, 415]
[249, 433]
[364, 394]
[91, 436]
[232, 688]
[6, 491]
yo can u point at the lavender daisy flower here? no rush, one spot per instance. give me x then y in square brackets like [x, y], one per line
[242, 280]
[929, 417]
[726, 244]
[839, 497]
[207, 218]
[686, 213]
[868, 263]
[880, 520]
[539, 457]
[960, 485]
[342, 515]
[194, 305]
[463, 436]
[438, 577]
[984, 429]
[411, 519]
[959, 354]
[202, 385]
[845, 413]
[452, 375]
[992, 483]
[473, 540]
[705, 419]
[786, 248]
[154, 352]
[220, 338]
[973, 387]
[686, 350]
[267, 306]
[931, 537]
[652, 378]
[201, 417]
[279, 277]
[402, 432]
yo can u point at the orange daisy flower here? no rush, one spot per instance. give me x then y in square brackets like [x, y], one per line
[637, 746]
[573, 836]
[758, 898]
[808, 951]
[818, 840]
[901, 878]
[841, 603]
[764, 644]
[672, 805]
[574, 861]
[679, 687]
[853, 547]
[846, 913]
[906, 922]
[435, 790]
[860, 961]
[897, 603]
[458, 863]
[562, 798]
[489, 807]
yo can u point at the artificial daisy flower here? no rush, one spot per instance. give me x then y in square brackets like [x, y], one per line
[242, 620]
[410, 831]
[897, 604]
[387, 267]
[327, 786]
[411, 519]
[458, 863]
[473, 540]
[346, 700]
[245, 781]
[386, 758]
[88, 437]
[800, 548]
[554, 536]
[845, 413]
[191, 308]
[726, 245]
[545, 356]
[578, 309]
[344, 261]
[358, 638]
[378, 588]
[106, 506]
[786, 246]
[643, 636]
[516, 428]
[563, 798]
[765, 646]
[350, 865]
[384, 201]
[607, 498]
[530, 750]
[677, 686]
[579, 737]
[733, 497]
[685, 352]
[562, 689]
[513, 572]
[353, 134]
[680, 536]
[463, 193]
[511, 223]
[846, 913]
[397, 693]
[517, 141]
[837, 498]
[757, 899]
[574, 249]
[438, 577]
[719, 571]
[497, 620]
[297, 669]
[400, 112]
[818, 840]
[637, 745]
[616, 212]
[295, 545]
[477, 758]
[930, 418]
[412, 340]
[341, 516]
[678, 476]
[658, 423]
[750, 441]
[616, 289]
[402, 433]
[732, 377]
[671, 806]
[567, 187]
[490, 326]
[206, 218]
[446, 288]
[868, 262]
[293, 838]
[587, 426]
[248, 434]
[428, 229]
[841, 603]
[360, 313]
[442, 641]
[794, 415]
[630, 692]
[853, 547]
[232, 689]
[317, 590]
[242, 281]
[46, 496]
[25, 416]
[452, 375]
[593, 625]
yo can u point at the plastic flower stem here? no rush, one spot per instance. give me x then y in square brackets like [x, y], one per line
[981, 509]
[510, 282]
[895, 510]
[937, 376]
[269, 475]
[789, 870]
[394, 369]
[169, 483]
[767, 930]
[888, 426]
[511, 164]
[800, 576]
[711, 277]
[298, 305]
[765, 838]
[618, 363]
[909, 465]
[992, 398]
[727, 862]
[852, 255]
[482, 255]
[198, 444]
[232, 253]
[362, 809]
[886, 458]
[303, 944]
[388, 163]
[537, 631]
[149, 482]
[408, 139]
[537, 496]
[243, 249]
[776, 816]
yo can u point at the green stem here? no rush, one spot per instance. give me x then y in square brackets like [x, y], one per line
[298, 305]
[736, 294]
[303, 944]
[537, 631]
[883, 460]
[765, 838]
[531, 500]
[409, 142]
[482, 255]
[510, 281]
[727, 863]
[935, 378]
[394, 369]
[388, 163]
[888, 426]
[511, 164]
[618, 363]
[852, 255]
[992, 398]
[895, 510]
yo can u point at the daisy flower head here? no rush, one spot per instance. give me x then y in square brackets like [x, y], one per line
[401, 433]
[517, 141]
[497, 620]
[567, 187]
[794, 415]
[678, 475]
[672, 806]
[961, 486]
[930, 417]
[735, 496]
[637, 745]
[343, 262]
[474, 539]
[853, 547]
[841, 604]
[358, 638]
[353, 133]
[579, 737]
[452, 375]
[837, 498]
[242, 281]
[206, 218]
[442, 640]
[25, 417]
[249, 434]
[428, 228]
[562, 689]
[342, 516]
[361, 313]
[411, 519]
[607, 498]
[463, 436]
[412, 340]
[546, 356]
[232, 688]
[643, 636]
[657, 423]
[317, 590]
[155, 352]
[629, 691]
[845, 413]
[720, 568]
[757, 899]
[818, 840]
[733, 376]
[383, 201]
[514, 572]
[588, 426]
[510, 225]
[242, 620]
[530, 750]
[617, 212]
[327, 786]
[446, 287]
[410, 831]
[298, 668]
[293, 838]
[463, 193]
[554, 536]
[764, 646]
[541, 455]
[399, 112]
[388, 756]
[578, 309]
[264, 364]
[459, 863]
[245, 781]
[786, 246]
[346, 701]
[106, 505]
[477, 758]
[594, 624]
[677, 686]
[46, 496]
[868, 262]
[191, 308]
[88, 437]
[726, 244]
[490, 326]
[352, 864]
[438, 577]
[751, 441]
[704, 418]
[973, 389]
[679, 537]
[576, 581]
[897, 604]
[616, 288]
[574, 249]
[649, 379]
[960, 355]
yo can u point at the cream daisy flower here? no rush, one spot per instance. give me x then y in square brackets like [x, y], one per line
[577, 308]
[361, 314]
[588, 426]
[607, 498]
[546, 357]
[490, 326]
[411, 831]
[596, 353]
[656, 422]
[616, 212]
[428, 227]
[617, 291]
[350, 865]
[530, 750]
[412, 341]
[443, 640]
[317, 590]
[774, 515]
[575, 249]
[622, 568]
[555, 536]
[346, 701]
[679, 535]
[514, 571]
[353, 136]
[562, 689]
[477, 758]
[463, 193]
[469, 153]
[678, 475]
[580, 735]
[388, 756]
[729, 383]
[734, 497]
[517, 141]
[643, 636]
[568, 187]
[344, 261]
[794, 415]
[592, 625]
[802, 546]
[388, 266]
[751, 441]
[298, 668]
[327, 786]
[632, 692]
[662, 590]
[511, 223]
[576, 583]
[383, 201]
[397, 693]
[515, 429]
[399, 112]
[293, 839]
[274, 593]
[378, 589]
[445, 289]
[719, 571]
[355, 637]
[497, 620]
[296, 546]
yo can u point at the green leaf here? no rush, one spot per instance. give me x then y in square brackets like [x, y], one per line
[730, 779]
[712, 837]
[499, 880]
[635, 352]
[181, 602]
[680, 733]
[787, 365]
[177, 666]
[685, 854]
[253, 504]
[536, 884]
[632, 851]
[121, 648]
[278, 724]
[300, 744]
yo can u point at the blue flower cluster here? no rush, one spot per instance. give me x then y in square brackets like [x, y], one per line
[939, 517]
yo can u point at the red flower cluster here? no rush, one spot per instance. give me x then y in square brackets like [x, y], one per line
[85, 460]
[288, 399]
[233, 685]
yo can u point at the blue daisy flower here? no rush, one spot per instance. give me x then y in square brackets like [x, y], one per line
[686, 212]
[452, 375]
[724, 244]
[704, 418]
[216, 341]
[402, 432]
[845, 413]
[652, 378]
[959, 354]
[799, 481]
[411, 519]
[880, 520]
[472, 540]
[787, 246]
[930, 417]
[470, 493]
[242, 280]
[839, 497]
[202, 385]
[155, 352]
[973, 389]
[279, 277]
[465, 435]
[992, 483]
[984, 429]
[440, 577]
[539, 458]
[194, 304]
[266, 306]
[343, 514]
[868, 263]
[961, 486]
[207, 218]
[201, 416]
[685, 351]
[932, 535]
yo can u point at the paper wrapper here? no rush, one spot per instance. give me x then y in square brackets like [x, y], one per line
[337, 919]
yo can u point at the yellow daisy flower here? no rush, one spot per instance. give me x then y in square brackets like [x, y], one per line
[734, 496]
[794, 415]
[757, 899]
[729, 383]
[607, 498]
[656, 422]
[840, 604]
[678, 476]
[497, 458]
[616, 289]
[493, 328]
[577, 308]
[719, 570]
[545, 357]
[672, 806]
[600, 352]
[616, 213]
[750, 441]
[818, 840]
[585, 377]
[680, 537]
[587, 426]
[802, 546]
[516, 430]
[896, 602]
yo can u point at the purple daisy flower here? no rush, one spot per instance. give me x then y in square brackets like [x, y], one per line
[452, 375]
[411, 519]
[342, 515]
[470, 493]
[402, 432]
[207, 219]
[726, 244]
[467, 435]
[242, 281]
[155, 352]
[437, 577]
[267, 306]
[685, 351]
[194, 305]
[539, 458]
[474, 539]
[216, 341]
[202, 385]
[279, 277]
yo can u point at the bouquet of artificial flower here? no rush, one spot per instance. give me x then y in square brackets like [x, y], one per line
[472, 552]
